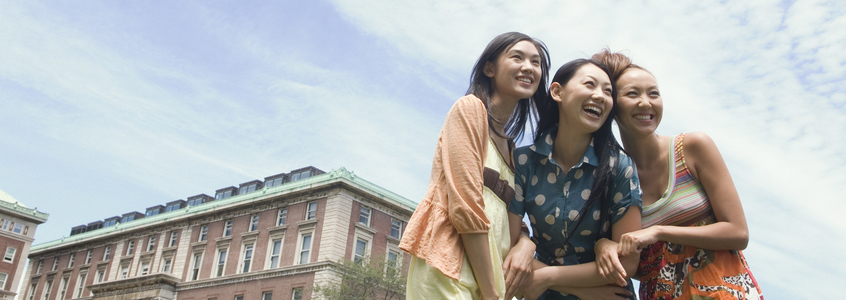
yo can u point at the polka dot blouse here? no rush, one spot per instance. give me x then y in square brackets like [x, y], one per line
[553, 199]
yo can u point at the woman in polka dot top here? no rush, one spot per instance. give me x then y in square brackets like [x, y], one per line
[576, 185]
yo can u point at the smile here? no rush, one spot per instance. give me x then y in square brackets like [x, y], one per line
[643, 117]
[525, 79]
[592, 109]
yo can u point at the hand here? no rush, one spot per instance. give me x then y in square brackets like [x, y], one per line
[632, 242]
[533, 287]
[602, 292]
[517, 266]
[608, 262]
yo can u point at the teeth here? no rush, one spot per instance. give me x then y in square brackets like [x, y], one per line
[643, 117]
[592, 108]
[523, 79]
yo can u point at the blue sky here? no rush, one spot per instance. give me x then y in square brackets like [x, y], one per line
[108, 107]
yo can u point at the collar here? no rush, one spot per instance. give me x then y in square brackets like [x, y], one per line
[543, 146]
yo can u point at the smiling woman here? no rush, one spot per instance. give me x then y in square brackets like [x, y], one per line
[694, 227]
[576, 186]
[472, 177]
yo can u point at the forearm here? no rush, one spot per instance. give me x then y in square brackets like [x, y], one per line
[581, 275]
[480, 261]
[717, 236]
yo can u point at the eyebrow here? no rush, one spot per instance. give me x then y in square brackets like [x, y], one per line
[523, 53]
[597, 80]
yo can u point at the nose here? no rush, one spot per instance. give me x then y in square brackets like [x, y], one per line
[644, 102]
[527, 67]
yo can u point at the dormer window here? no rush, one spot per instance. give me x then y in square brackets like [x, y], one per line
[225, 193]
[249, 187]
[300, 175]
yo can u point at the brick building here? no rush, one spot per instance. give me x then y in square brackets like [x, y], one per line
[270, 239]
[17, 229]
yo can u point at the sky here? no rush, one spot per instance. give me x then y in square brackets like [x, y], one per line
[108, 107]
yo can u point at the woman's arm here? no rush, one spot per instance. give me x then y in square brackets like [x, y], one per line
[705, 163]
[517, 265]
[560, 278]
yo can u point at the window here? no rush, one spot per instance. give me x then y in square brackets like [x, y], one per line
[275, 251]
[248, 258]
[266, 296]
[101, 274]
[3, 277]
[247, 189]
[360, 250]
[32, 289]
[204, 230]
[80, 285]
[151, 243]
[254, 222]
[173, 236]
[273, 182]
[221, 261]
[220, 195]
[130, 247]
[124, 271]
[111, 222]
[167, 262]
[195, 267]
[297, 294]
[173, 206]
[396, 228]
[128, 218]
[145, 267]
[239, 297]
[10, 257]
[301, 175]
[305, 246]
[64, 287]
[18, 228]
[107, 253]
[71, 259]
[227, 228]
[47, 288]
[88, 256]
[393, 263]
[197, 201]
[282, 216]
[311, 210]
[364, 216]
[40, 265]
[6, 225]
[55, 263]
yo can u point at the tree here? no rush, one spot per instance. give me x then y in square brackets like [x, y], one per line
[364, 279]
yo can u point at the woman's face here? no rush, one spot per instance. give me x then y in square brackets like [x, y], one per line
[640, 105]
[584, 102]
[517, 72]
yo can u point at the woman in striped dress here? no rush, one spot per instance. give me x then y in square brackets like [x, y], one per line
[693, 223]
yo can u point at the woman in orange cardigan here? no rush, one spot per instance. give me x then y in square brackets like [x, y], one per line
[473, 176]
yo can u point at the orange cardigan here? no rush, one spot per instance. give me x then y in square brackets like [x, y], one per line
[453, 203]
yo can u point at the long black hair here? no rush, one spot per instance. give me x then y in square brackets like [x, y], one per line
[605, 145]
[483, 87]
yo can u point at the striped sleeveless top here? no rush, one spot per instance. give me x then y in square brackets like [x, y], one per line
[684, 203]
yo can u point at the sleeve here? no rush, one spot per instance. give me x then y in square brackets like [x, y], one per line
[463, 141]
[517, 205]
[627, 191]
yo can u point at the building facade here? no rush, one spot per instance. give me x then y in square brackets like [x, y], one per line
[271, 239]
[17, 230]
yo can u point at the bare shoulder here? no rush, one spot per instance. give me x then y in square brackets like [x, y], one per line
[697, 144]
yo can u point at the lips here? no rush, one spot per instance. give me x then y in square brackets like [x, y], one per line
[525, 79]
[643, 117]
[592, 109]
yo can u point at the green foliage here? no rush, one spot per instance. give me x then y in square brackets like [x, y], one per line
[364, 280]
